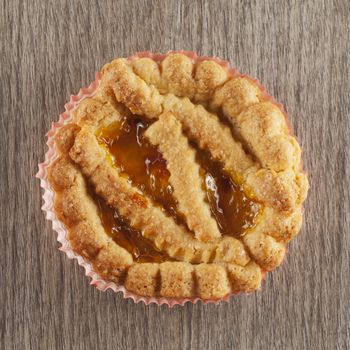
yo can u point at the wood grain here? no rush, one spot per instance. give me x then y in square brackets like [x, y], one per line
[299, 49]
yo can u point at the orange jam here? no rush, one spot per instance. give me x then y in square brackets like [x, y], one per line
[233, 210]
[144, 165]
[141, 248]
[139, 160]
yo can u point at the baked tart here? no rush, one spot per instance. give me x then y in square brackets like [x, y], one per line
[178, 178]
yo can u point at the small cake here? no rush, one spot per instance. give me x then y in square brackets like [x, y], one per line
[178, 178]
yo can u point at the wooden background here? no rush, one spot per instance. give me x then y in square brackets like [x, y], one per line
[299, 49]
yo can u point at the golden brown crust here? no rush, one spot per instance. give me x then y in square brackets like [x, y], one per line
[181, 280]
[263, 128]
[180, 77]
[176, 280]
[265, 250]
[65, 137]
[212, 281]
[209, 76]
[167, 135]
[86, 240]
[277, 190]
[126, 86]
[257, 150]
[148, 70]
[93, 114]
[142, 279]
[244, 279]
[283, 227]
[235, 96]
[62, 173]
[177, 71]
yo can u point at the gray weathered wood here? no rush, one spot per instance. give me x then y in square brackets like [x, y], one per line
[299, 49]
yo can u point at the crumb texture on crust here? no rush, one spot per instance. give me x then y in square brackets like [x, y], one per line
[186, 102]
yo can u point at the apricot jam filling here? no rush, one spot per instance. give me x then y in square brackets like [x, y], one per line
[141, 248]
[145, 167]
[234, 212]
[139, 160]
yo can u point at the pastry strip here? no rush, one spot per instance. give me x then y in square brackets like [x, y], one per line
[185, 179]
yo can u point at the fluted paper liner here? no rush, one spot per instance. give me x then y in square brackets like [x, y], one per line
[49, 194]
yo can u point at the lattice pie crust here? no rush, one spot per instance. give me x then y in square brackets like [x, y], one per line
[156, 232]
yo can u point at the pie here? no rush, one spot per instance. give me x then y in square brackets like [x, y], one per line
[178, 178]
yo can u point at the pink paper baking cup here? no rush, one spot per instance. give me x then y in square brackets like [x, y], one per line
[49, 194]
